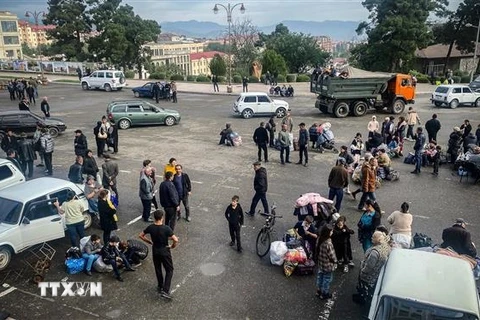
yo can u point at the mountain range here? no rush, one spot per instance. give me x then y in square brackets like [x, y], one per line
[337, 30]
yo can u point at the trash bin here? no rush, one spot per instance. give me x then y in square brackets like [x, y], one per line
[229, 89]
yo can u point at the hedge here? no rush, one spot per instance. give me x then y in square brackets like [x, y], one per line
[129, 74]
[281, 78]
[421, 78]
[191, 78]
[457, 79]
[465, 79]
[291, 77]
[176, 77]
[222, 79]
[203, 78]
[303, 78]
[253, 79]
[237, 79]
[157, 75]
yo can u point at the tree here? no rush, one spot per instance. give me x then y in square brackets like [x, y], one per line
[72, 21]
[218, 66]
[215, 46]
[273, 62]
[396, 29]
[244, 35]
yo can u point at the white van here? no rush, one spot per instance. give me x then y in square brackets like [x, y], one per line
[10, 175]
[107, 80]
[419, 285]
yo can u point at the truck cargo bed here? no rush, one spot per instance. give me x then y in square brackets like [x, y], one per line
[352, 88]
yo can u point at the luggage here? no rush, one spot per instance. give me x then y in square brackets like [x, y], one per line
[73, 252]
[278, 249]
[101, 267]
[75, 265]
[394, 175]
[306, 268]
[421, 240]
[83, 242]
[410, 159]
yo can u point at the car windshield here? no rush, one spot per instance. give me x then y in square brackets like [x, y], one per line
[153, 106]
[9, 211]
[441, 90]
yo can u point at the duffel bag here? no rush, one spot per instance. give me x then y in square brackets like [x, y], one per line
[410, 159]
[75, 265]
[394, 175]
[142, 248]
[101, 267]
[305, 268]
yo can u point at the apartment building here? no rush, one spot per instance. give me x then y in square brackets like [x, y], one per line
[34, 35]
[200, 62]
[10, 46]
[325, 43]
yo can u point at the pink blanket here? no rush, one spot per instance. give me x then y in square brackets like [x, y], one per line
[311, 198]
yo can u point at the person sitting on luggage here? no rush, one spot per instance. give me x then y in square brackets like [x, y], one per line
[347, 156]
[394, 148]
[290, 91]
[308, 234]
[111, 256]
[341, 242]
[283, 91]
[131, 250]
[459, 239]
[312, 131]
[384, 161]
[91, 252]
[225, 135]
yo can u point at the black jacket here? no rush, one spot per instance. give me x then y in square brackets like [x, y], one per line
[75, 173]
[234, 216]
[187, 185]
[45, 107]
[90, 166]
[459, 240]
[22, 106]
[109, 253]
[168, 194]
[470, 139]
[25, 150]
[432, 126]
[341, 236]
[9, 142]
[260, 183]
[454, 142]
[260, 136]
[466, 129]
[303, 137]
[419, 142]
[106, 213]
[80, 144]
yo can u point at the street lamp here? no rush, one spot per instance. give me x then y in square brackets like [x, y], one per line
[469, 25]
[229, 9]
[36, 14]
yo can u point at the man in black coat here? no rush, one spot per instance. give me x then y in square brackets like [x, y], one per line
[459, 239]
[432, 126]
[26, 154]
[80, 143]
[9, 141]
[23, 105]
[182, 183]
[45, 107]
[75, 171]
[260, 137]
[12, 156]
[156, 91]
[260, 184]
[169, 200]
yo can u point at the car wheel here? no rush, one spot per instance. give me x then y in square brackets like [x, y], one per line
[438, 104]
[453, 104]
[87, 217]
[341, 110]
[107, 87]
[136, 94]
[247, 113]
[477, 103]
[124, 124]
[5, 257]
[281, 112]
[169, 121]
[85, 86]
[360, 108]
[398, 106]
[53, 132]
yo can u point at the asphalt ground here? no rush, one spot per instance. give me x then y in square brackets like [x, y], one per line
[211, 280]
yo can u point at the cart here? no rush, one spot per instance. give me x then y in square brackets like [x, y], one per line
[39, 258]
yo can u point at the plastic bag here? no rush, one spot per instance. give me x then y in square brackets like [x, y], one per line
[278, 249]
[101, 267]
[289, 267]
[83, 242]
[296, 255]
[74, 265]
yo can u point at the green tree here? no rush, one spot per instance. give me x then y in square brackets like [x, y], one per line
[215, 46]
[218, 66]
[169, 70]
[28, 51]
[395, 30]
[244, 35]
[273, 62]
[72, 21]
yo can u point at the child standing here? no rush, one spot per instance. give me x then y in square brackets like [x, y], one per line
[341, 242]
[436, 160]
[326, 262]
[234, 215]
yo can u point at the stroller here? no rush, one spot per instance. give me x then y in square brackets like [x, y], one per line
[326, 139]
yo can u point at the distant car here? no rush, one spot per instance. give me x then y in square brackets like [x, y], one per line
[25, 121]
[28, 216]
[249, 104]
[10, 175]
[475, 84]
[107, 80]
[414, 284]
[146, 91]
[454, 95]
[127, 113]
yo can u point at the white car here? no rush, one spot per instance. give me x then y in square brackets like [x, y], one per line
[10, 175]
[249, 104]
[107, 80]
[454, 95]
[28, 216]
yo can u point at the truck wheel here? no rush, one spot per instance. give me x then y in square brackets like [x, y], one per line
[398, 106]
[341, 110]
[360, 108]
[5, 257]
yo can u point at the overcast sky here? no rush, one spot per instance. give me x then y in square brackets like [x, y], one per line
[261, 12]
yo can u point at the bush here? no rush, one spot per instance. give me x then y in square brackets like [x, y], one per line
[222, 79]
[129, 74]
[291, 77]
[303, 78]
[421, 78]
[460, 73]
[202, 78]
[281, 78]
[253, 79]
[457, 79]
[465, 79]
[237, 78]
[157, 76]
[176, 77]
[191, 78]
[263, 78]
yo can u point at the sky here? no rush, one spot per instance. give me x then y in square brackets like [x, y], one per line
[261, 12]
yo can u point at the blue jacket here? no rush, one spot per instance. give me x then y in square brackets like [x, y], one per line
[419, 142]
[303, 137]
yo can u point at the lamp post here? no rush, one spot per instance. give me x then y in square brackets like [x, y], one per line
[36, 14]
[476, 47]
[229, 9]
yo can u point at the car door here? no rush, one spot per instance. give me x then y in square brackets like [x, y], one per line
[10, 175]
[456, 94]
[249, 102]
[41, 222]
[28, 123]
[135, 114]
[92, 81]
[467, 96]
[151, 114]
[100, 79]
[264, 104]
[147, 90]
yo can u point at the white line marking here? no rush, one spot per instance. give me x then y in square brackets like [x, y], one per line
[230, 187]
[4, 293]
[199, 182]
[125, 171]
[325, 313]
[36, 295]
[421, 217]
[134, 220]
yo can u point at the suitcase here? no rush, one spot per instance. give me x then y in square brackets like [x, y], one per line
[306, 268]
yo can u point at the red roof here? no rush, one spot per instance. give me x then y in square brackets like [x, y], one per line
[34, 27]
[205, 55]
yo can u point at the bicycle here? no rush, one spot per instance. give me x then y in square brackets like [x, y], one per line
[264, 238]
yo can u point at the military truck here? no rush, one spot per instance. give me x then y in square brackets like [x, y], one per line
[343, 96]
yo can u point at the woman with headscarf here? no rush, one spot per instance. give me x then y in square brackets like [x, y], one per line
[373, 125]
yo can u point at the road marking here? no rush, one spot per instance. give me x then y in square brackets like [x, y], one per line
[199, 182]
[125, 171]
[4, 293]
[36, 295]
[325, 313]
[134, 220]
[421, 217]
[230, 187]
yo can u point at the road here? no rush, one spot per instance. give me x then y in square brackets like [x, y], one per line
[211, 280]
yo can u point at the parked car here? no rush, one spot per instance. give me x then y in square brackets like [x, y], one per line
[126, 113]
[415, 284]
[10, 175]
[146, 90]
[249, 104]
[25, 121]
[454, 95]
[107, 80]
[28, 216]
[475, 84]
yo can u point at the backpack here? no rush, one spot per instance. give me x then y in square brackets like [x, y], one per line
[73, 253]
[366, 220]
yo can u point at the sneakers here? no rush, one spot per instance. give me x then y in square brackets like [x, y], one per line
[415, 172]
[351, 264]
[136, 265]
[151, 219]
[88, 273]
[325, 296]
[240, 250]
[306, 164]
[345, 268]
[249, 214]
[299, 162]
[130, 269]
[119, 278]
[188, 219]
[165, 295]
[40, 165]
[232, 243]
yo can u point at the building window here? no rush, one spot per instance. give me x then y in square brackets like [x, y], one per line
[9, 53]
[10, 40]
[9, 26]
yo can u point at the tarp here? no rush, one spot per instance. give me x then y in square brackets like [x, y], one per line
[359, 73]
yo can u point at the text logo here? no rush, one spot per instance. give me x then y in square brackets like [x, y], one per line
[70, 289]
